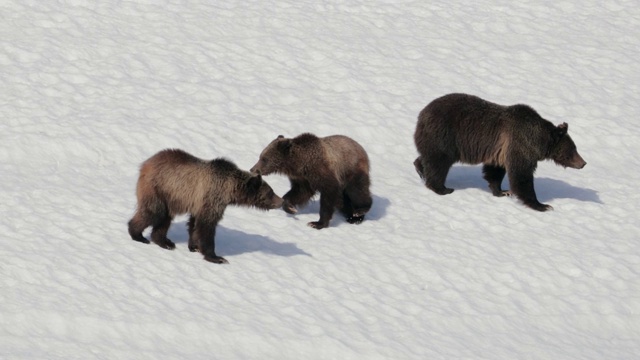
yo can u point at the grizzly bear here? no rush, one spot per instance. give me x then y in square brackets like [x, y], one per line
[336, 166]
[173, 182]
[506, 139]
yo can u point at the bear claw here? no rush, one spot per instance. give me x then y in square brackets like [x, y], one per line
[355, 219]
[502, 193]
[167, 244]
[288, 208]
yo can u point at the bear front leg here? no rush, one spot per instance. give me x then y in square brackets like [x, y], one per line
[494, 176]
[299, 194]
[329, 200]
[522, 186]
[204, 233]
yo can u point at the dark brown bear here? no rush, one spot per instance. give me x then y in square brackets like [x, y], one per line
[507, 139]
[173, 182]
[336, 166]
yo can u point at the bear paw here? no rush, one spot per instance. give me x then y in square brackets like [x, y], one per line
[540, 207]
[141, 239]
[355, 219]
[440, 190]
[216, 259]
[289, 208]
[501, 193]
[166, 244]
[317, 225]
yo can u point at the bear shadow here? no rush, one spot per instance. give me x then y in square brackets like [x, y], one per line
[231, 242]
[556, 189]
[466, 177]
[378, 209]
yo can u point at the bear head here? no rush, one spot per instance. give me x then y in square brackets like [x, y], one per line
[564, 151]
[259, 194]
[273, 158]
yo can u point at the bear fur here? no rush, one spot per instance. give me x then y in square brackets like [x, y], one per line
[336, 166]
[173, 182]
[506, 139]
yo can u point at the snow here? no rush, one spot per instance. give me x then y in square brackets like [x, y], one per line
[93, 88]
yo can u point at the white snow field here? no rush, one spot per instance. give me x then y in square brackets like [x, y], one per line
[90, 89]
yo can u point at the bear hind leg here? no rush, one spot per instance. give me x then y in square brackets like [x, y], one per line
[354, 214]
[159, 233]
[347, 207]
[356, 200]
[140, 221]
[417, 163]
[193, 245]
[435, 171]
[494, 176]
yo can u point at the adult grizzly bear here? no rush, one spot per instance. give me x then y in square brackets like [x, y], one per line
[173, 182]
[336, 166]
[507, 139]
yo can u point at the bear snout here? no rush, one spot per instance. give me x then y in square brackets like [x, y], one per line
[255, 170]
[276, 202]
[578, 162]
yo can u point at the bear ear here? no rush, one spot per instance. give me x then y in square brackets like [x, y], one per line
[285, 146]
[280, 136]
[562, 129]
[254, 182]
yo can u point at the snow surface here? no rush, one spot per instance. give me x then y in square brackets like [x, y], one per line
[90, 89]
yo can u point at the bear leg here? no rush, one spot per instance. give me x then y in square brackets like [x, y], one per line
[347, 209]
[193, 245]
[357, 200]
[299, 194]
[159, 233]
[329, 200]
[204, 234]
[417, 163]
[140, 221]
[435, 170]
[494, 176]
[521, 182]
[349, 212]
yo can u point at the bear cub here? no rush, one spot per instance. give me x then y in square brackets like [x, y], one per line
[506, 139]
[336, 166]
[173, 182]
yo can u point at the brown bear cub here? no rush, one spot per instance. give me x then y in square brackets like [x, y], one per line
[336, 166]
[173, 182]
[506, 139]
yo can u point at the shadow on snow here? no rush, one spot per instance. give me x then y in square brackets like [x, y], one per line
[231, 242]
[465, 177]
[377, 212]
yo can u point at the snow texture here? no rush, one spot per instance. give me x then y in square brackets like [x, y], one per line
[90, 89]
